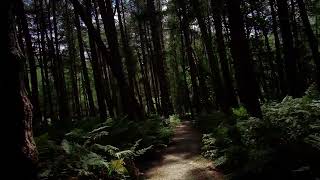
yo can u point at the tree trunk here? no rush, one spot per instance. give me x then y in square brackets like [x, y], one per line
[32, 63]
[130, 64]
[129, 102]
[287, 38]
[85, 73]
[72, 61]
[279, 61]
[155, 23]
[97, 71]
[217, 7]
[64, 110]
[144, 70]
[188, 104]
[188, 49]
[213, 61]
[23, 162]
[313, 42]
[247, 84]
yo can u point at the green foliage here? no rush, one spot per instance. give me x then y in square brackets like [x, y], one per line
[240, 113]
[174, 120]
[312, 92]
[208, 122]
[92, 150]
[286, 139]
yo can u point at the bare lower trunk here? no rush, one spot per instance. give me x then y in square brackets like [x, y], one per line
[18, 108]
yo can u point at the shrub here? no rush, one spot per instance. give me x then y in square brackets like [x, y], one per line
[92, 149]
[284, 144]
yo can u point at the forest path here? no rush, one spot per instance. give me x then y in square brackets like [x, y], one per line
[182, 159]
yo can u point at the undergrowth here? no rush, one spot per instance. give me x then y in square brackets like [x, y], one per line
[285, 144]
[104, 150]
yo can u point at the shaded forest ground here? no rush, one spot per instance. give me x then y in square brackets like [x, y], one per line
[182, 159]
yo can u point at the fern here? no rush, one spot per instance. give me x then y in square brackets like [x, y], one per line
[313, 140]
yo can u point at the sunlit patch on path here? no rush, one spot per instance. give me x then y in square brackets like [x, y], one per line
[182, 160]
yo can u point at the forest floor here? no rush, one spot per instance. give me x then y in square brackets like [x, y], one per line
[182, 159]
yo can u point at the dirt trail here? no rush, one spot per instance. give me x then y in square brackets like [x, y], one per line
[182, 159]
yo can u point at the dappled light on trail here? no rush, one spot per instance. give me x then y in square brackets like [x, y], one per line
[182, 160]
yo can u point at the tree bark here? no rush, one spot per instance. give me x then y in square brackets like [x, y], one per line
[23, 162]
[188, 49]
[289, 60]
[64, 110]
[313, 42]
[279, 61]
[144, 70]
[72, 61]
[96, 68]
[247, 84]
[85, 73]
[32, 63]
[217, 7]
[155, 23]
[129, 102]
[213, 61]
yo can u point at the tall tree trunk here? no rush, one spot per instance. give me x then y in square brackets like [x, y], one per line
[188, 104]
[64, 110]
[153, 67]
[97, 71]
[217, 7]
[44, 55]
[213, 61]
[32, 63]
[85, 73]
[72, 61]
[155, 23]
[188, 49]
[126, 48]
[313, 42]
[144, 70]
[247, 84]
[302, 76]
[18, 109]
[287, 38]
[104, 68]
[129, 102]
[279, 61]
[20, 35]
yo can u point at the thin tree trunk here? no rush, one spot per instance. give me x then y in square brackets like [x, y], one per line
[126, 49]
[188, 105]
[129, 102]
[213, 61]
[144, 70]
[85, 73]
[188, 49]
[313, 42]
